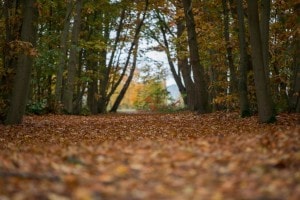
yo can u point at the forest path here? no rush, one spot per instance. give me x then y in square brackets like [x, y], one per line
[150, 156]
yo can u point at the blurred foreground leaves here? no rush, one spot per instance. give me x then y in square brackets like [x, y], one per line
[150, 156]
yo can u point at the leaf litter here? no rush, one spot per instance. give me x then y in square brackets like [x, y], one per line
[150, 156]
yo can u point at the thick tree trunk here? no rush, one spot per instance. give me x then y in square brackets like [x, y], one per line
[265, 32]
[295, 93]
[242, 83]
[264, 99]
[12, 33]
[73, 62]
[63, 54]
[23, 71]
[198, 70]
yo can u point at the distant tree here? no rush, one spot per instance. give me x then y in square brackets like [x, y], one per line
[135, 46]
[229, 53]
[73, 62]
[63, 53]
[165, 44]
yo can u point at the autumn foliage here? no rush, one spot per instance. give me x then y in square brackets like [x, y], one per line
[150, 156]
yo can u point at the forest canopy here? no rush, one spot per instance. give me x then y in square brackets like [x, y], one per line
[79, 56]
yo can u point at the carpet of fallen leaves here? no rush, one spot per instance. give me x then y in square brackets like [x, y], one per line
[150, 156]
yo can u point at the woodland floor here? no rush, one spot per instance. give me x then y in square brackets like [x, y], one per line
[150, 156]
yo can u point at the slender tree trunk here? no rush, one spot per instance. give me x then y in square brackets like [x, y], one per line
[198, 70]
[212, 78]
[264, 99]
[73, 63]
[92, 97]
[77, 105]
[135, 38]
[106, 70]
[242, 83]
[134, 48]
[104, 80]
[176, 75]
[63, 52]
[23, 71]
[128, 81]
[233, 80]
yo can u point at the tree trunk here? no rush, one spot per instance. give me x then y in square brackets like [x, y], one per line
[295, 93]
[242, 83]
[198, 70]
[134, 42]
[128, 81]
[265, 32]
[80, 87]
[176, 75]
[12, 33]
[185, 68]
[105, 71]
[63, 54]
[92, 96]
[229, 56]
[23, 71]
[264, 99]
[73, 63]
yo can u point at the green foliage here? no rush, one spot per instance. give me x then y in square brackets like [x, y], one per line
[153, 96]
[37, 108]
[85, 111]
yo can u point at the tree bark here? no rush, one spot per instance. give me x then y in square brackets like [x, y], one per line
[92, 96]
[198, 70]
[92, 67]
[185, 68]
[73, 63]
[12, 33]
[242, 83]
[265, 32]
[63, 53]
[264, 99]
[106, 70]
[295, 93]
[23, 71]
[176, 76]
[164, 28]
[229, 55]
[128, 81]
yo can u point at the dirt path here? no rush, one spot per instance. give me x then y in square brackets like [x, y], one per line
[150, 156]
